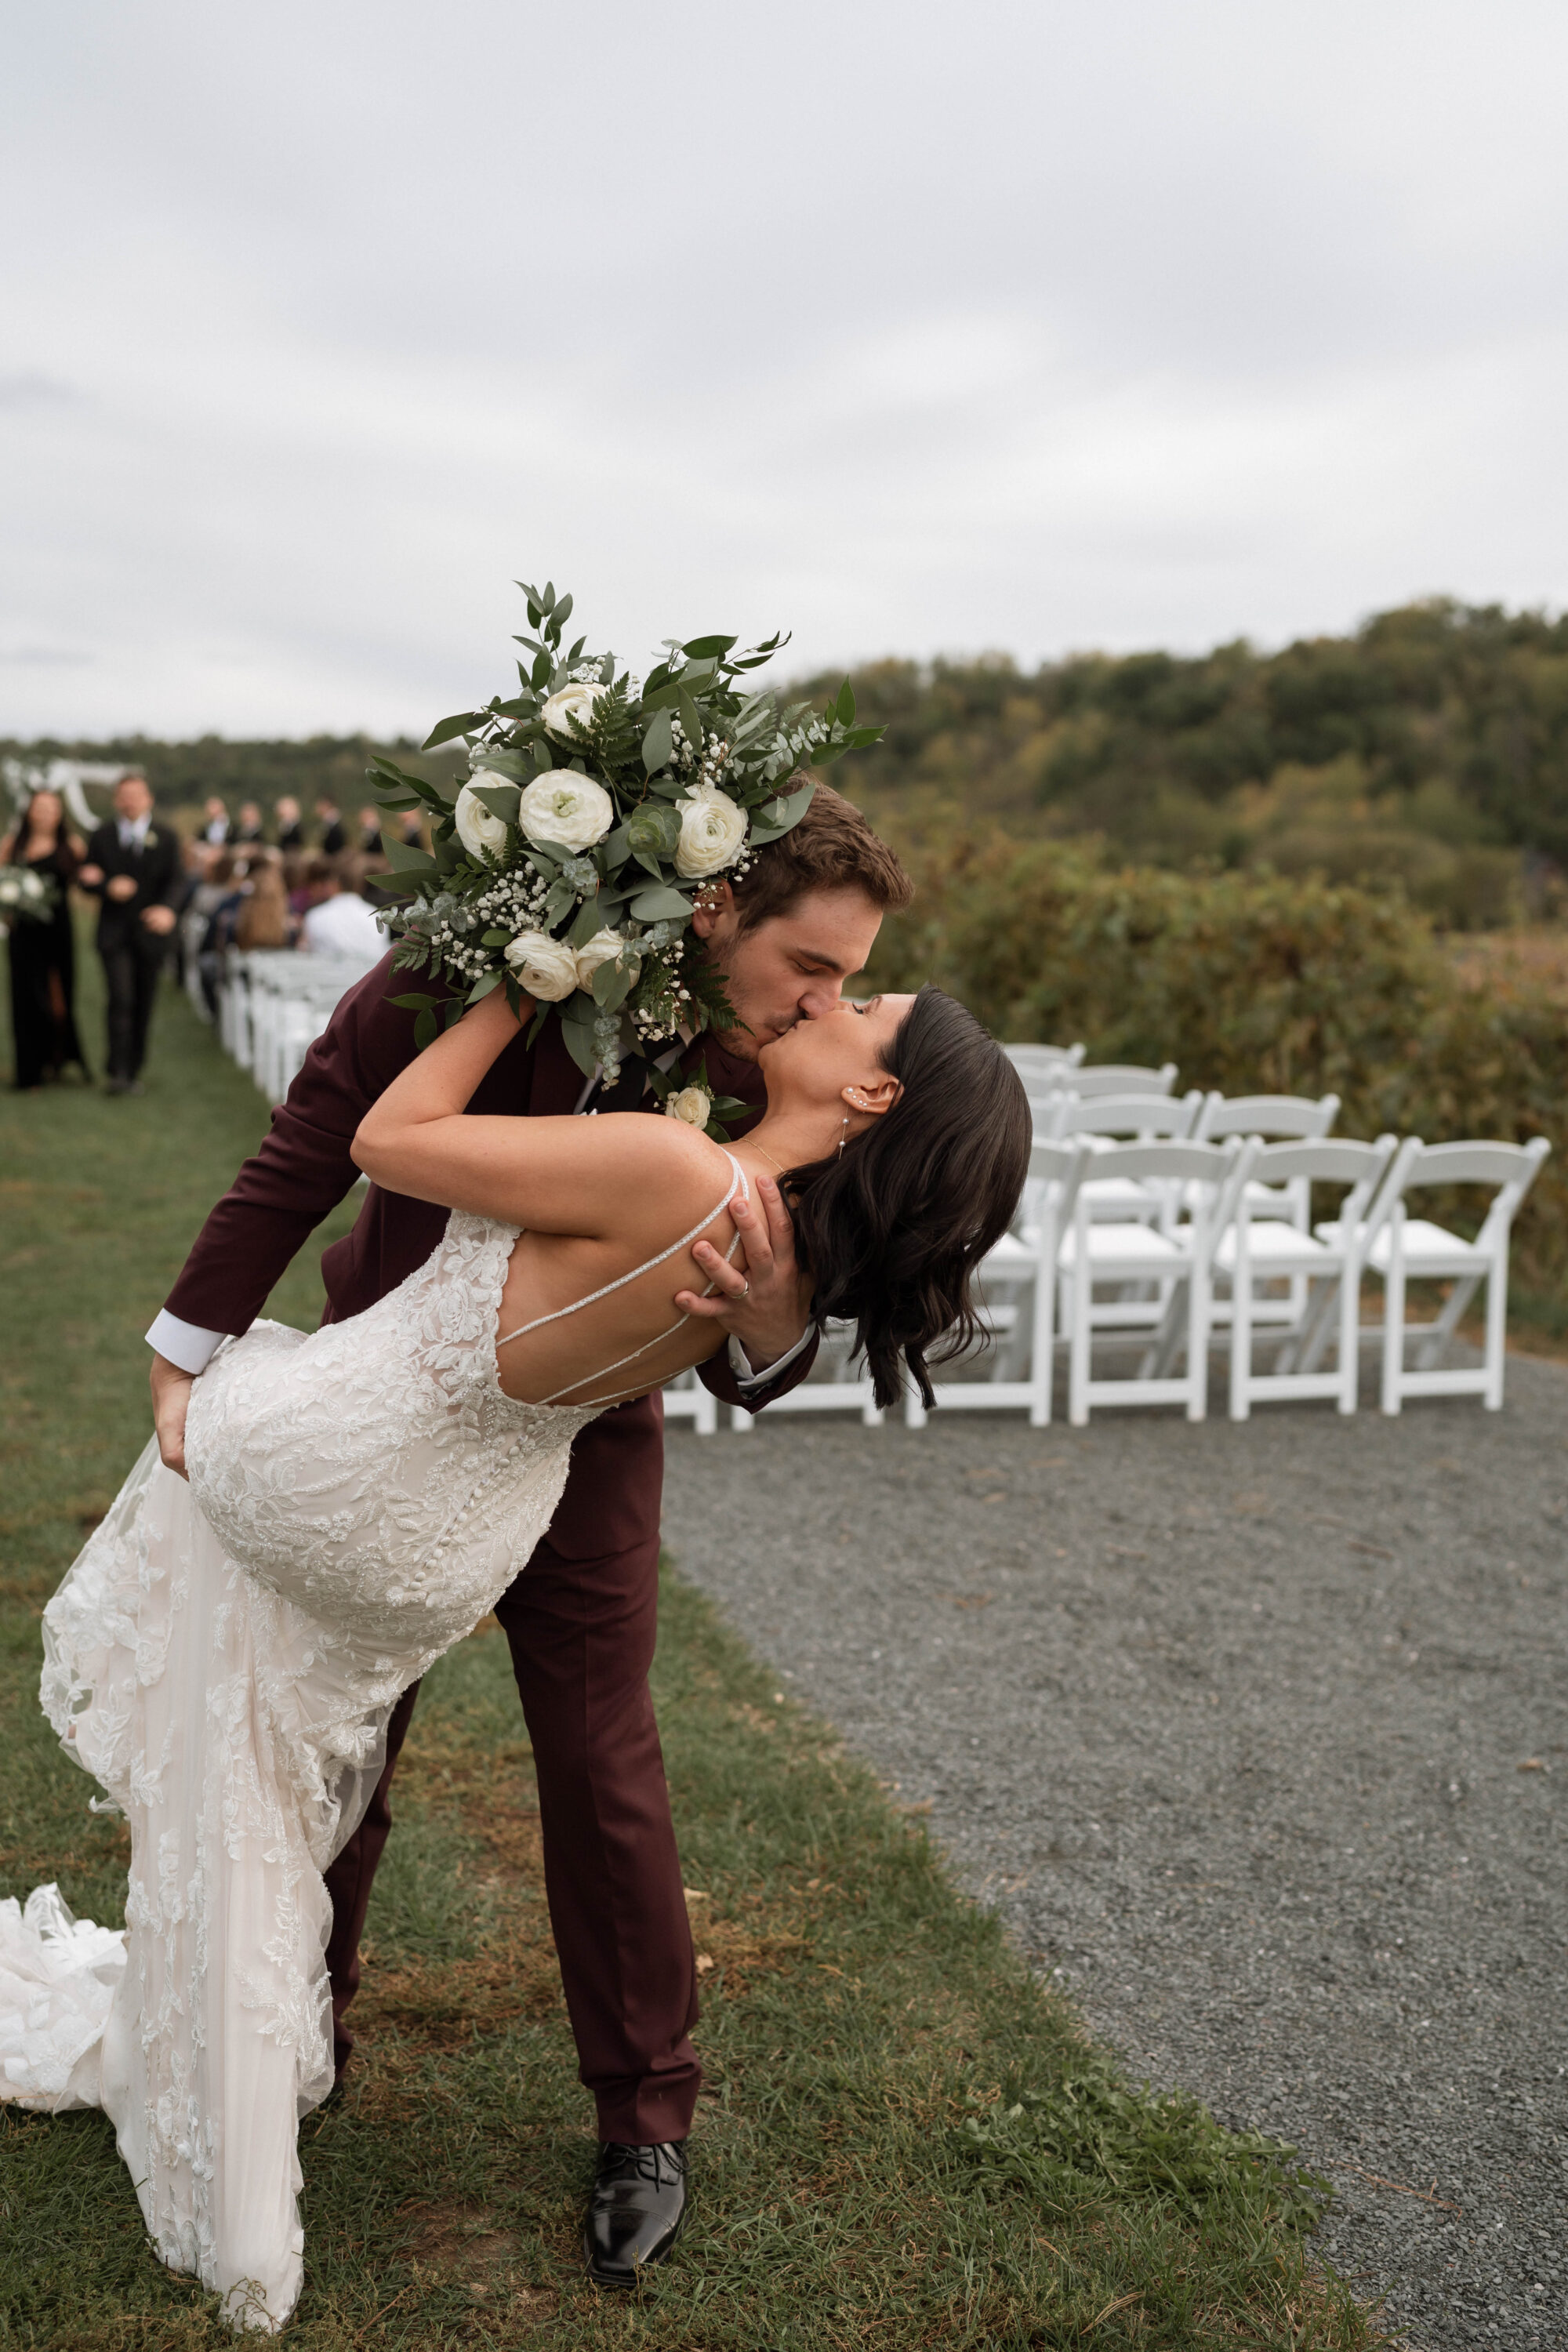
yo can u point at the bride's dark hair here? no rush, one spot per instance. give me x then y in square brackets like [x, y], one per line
[894, 1227]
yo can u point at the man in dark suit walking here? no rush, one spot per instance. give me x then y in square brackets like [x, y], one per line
[133, 870]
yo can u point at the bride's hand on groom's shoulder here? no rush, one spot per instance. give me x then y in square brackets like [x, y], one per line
[170, 1402]
[765, 1301]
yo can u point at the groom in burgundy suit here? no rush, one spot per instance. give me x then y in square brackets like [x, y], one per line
[580, 1617]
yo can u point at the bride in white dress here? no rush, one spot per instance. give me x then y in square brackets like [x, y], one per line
[224, 1655]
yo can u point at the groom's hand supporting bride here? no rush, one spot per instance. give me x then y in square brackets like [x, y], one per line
[170, 1402]
[765, 1303]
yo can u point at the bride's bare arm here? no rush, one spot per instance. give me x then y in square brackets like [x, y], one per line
[553, 1175]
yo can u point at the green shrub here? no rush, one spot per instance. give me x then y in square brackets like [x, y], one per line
[1253, 983]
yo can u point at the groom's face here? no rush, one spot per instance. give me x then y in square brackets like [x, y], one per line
[791, 968]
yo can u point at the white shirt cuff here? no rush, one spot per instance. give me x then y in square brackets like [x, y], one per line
[184, 1344]
[741, 1363]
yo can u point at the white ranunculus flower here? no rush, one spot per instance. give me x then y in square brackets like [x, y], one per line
[566, 807]
[544, 968]
[603, 948]
[691, 1104]
[713, 833]
[479, 828]
[569, 702]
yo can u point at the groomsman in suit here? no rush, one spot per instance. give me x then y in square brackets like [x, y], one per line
[580, 1617]
[334, 840]
[134, 869]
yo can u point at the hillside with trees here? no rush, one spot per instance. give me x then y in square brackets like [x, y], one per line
[1430, 748]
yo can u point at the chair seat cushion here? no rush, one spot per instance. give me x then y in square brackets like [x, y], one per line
[1429, 1249]
[1272, 1247]
[1124, 1249]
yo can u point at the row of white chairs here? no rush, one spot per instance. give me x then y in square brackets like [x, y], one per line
[273, 1003]
[1195, 1211]
[1207, 1240]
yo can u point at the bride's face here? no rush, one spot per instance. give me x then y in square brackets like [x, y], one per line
[820, 1063]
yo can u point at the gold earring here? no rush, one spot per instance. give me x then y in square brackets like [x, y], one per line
[843, 1133]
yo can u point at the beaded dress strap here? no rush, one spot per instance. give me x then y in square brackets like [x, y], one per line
[737, 1184]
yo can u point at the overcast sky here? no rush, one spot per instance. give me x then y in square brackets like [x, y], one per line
[915, 328]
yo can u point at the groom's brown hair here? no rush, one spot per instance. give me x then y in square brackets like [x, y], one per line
[832, 849]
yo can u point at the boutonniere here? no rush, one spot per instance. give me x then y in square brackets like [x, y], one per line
[148, 839]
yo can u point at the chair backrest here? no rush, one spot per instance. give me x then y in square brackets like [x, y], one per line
[1043, 1061]
[1055, 1172]
[1120, 1078]
[1357, 1166]
[1266, 1115]
[1210, 1176]
[1129, 1114]
[1476, 1163]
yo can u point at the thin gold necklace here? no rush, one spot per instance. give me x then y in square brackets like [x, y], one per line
[768, 1156]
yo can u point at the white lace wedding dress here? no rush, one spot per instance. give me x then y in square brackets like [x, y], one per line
[223, 1658]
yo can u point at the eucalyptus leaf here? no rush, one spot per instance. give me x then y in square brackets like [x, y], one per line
[465, 723]
[661, 905]
[590, 919]
[406, 860]
[514, 765]
[578, 1040]
[706, 648]
[657, 743]
[483, 985]
[502, 800]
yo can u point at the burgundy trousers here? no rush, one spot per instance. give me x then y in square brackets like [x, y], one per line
[581, 1634]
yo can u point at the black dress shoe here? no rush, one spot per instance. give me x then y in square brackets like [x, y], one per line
[637, 2208]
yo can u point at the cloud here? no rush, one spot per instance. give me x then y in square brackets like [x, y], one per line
[1122, 326]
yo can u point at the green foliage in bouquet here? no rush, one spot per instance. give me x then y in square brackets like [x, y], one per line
[596, 810]
[25, 895]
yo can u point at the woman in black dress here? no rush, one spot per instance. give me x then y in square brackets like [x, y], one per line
[43, 954]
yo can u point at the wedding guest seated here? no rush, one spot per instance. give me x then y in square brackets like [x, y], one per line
[263, 921]
[338, 922]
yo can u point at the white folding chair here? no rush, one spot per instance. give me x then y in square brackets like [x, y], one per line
[1277, 1118]
[1140, 1118]
[1402, 1249]
[1260, 1244]
[1017, 1283]
[1047, 1065]
[1181, 1260]
[686, 1398]
[835, 1393]
[1120, 1078]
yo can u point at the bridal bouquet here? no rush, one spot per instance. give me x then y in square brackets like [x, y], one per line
[25, 895]
[596, 809]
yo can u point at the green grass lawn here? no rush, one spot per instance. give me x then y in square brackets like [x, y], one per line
[905, 2139]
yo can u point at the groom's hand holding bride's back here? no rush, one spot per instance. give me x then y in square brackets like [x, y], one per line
[765, 1303]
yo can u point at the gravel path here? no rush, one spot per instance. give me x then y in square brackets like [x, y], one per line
[1257, 1735]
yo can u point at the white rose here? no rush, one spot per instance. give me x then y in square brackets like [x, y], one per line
[713, 833]
[569, 702]
[691, 1104]
[603, 948]
[479, 828]
[545, 968]
[567, 808]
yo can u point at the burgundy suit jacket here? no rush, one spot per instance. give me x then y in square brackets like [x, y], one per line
[302, 1170]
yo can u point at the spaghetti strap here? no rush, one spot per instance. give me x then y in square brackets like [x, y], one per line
[737, 1184]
